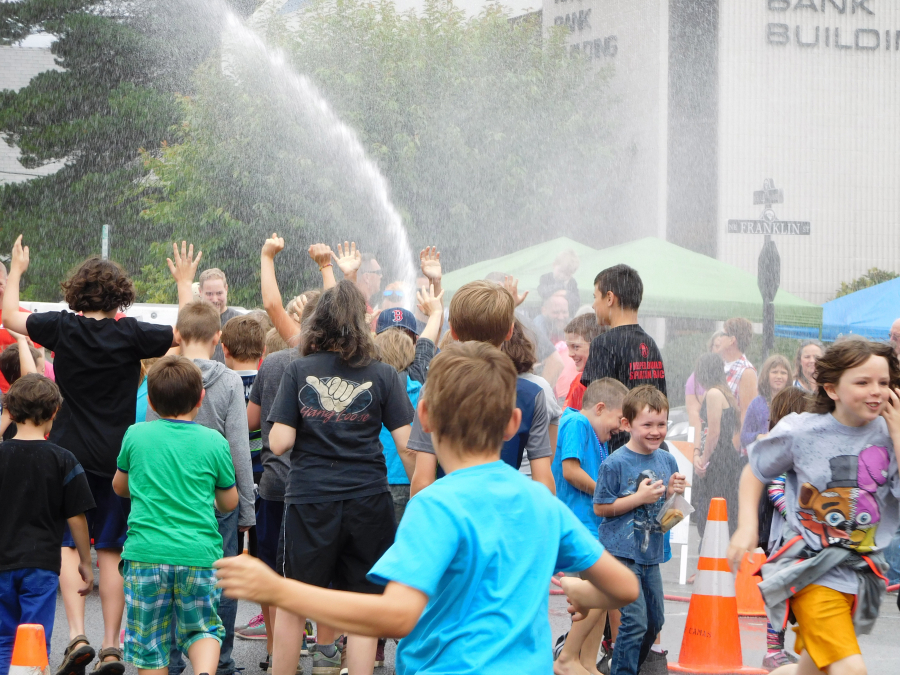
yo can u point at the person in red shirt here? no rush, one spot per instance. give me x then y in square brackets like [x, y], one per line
[579, 333]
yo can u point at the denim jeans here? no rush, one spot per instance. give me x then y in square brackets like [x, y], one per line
[227, 610]
[641, 620]
[27, 595]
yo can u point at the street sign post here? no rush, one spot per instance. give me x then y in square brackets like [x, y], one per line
[769, 266]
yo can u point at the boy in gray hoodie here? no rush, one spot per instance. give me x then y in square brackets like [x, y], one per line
[223, 409]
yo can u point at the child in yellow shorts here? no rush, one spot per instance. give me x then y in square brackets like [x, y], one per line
[841, 494]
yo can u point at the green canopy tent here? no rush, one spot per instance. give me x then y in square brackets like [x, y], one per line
[677, 282]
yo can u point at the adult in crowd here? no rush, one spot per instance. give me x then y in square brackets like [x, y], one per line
[693, 393]
[773, 377]
[895, 336]
[561, 278]
[805, 365]
[214, 289]
[739, 372]
[717, 463]
[551, 322]
[368, 280]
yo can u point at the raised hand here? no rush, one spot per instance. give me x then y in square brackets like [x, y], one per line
[273, 246]
[185, 265]
[428, 302]
[20, 258]
[348, 259]
[338, 394]
[321, 254]
[430, 262]
[512, 285]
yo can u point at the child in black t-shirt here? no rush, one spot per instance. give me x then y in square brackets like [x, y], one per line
[339, 515]
[97, 364]
[43, 488]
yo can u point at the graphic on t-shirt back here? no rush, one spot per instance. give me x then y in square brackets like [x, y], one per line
[645, 369]
[335, 395]
[645, 522]
[846, 513]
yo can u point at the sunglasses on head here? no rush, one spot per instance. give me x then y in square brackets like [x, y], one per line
[393, 294]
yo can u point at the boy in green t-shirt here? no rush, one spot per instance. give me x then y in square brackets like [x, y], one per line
[174, 471]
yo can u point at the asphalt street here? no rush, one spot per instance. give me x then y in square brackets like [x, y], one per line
[881, 648]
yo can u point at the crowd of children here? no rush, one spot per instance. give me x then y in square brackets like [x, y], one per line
[379, 480]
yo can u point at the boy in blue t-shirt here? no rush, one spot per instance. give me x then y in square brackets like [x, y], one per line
[467, 575]
[581, 446]
[632, 486]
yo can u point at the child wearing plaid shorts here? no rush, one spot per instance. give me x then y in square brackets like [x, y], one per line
[174, 471]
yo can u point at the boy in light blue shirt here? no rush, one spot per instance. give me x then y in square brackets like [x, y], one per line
[580, 449]
[466, 579]
[632, 487]
[581, 446]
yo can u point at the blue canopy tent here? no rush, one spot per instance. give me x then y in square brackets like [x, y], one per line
[869, 312]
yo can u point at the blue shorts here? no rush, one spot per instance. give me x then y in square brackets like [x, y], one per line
[27, 595]
[269, 516]
[108, 522]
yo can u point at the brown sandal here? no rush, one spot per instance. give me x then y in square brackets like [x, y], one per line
[76, 658]
[116, 667]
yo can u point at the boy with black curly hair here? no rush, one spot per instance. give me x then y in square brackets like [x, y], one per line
[97, 365]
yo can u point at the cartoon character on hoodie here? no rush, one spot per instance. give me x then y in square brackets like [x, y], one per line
[846, 513]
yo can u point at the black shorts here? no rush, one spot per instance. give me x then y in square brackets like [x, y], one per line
[337, 543]
[269, 515]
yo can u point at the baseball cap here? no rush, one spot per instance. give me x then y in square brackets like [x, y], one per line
[396, 317]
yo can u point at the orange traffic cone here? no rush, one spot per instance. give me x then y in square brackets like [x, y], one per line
[29, 655]
[712, 636]
[749, 599]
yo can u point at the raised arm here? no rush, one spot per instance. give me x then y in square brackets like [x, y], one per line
[183, 267]
[26, 360]
[13, 319]
[322, 255]
[431, 305]
[348, 260]
[430, 264]
[287, 328]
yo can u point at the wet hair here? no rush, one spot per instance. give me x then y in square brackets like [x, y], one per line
[9, 362]
[274, 342]
[263, 318]
[710, 374]
[198, 321]
[741, 330]
[212, 273]
[482, 311]
[841, 357]
[798, 367]
[470, 396]
[338, 324]
[146, 365]
[98, 286]
[586, 326]
[643, 396]
[770, 364]
[395, 348]
[174, 386]
[789, 400]
[244, 338]
[624, 282]
[32, 397]
[567, 261]
[520, 348]
[606, 390]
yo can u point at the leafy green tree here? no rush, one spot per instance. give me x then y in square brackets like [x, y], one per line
[873, 277]
[490, 137]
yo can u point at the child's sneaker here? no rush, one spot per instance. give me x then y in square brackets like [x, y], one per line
[255, 629]
[656, 663]
[327, 665]
[560, 643]
[773, 660]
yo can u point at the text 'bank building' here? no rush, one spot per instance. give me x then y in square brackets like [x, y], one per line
[713, 97]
